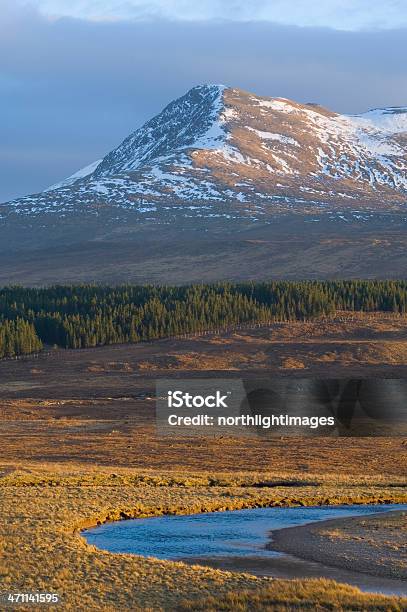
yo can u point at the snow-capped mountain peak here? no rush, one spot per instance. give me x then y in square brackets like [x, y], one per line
[222, 152]
[190, 121]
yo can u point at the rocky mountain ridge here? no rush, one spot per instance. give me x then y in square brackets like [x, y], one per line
[222, 153]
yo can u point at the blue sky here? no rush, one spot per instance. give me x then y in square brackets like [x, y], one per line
[77, 76]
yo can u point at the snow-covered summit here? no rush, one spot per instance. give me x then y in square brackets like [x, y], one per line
[189, 121]
[222, 151]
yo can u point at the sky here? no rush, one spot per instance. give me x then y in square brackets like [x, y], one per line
[77, 76]
[339, 14]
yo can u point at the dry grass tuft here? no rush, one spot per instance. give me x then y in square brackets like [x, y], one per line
[287, 595]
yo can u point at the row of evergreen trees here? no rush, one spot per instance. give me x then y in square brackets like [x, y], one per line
[92, 315]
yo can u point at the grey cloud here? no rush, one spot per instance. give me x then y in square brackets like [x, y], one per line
[340, 14]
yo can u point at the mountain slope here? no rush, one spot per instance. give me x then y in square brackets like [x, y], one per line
[224, 153]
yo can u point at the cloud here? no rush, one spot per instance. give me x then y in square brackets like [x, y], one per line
[338, 14]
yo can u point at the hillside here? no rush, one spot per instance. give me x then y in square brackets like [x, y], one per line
[220, 166]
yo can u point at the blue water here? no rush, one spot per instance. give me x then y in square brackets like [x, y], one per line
[218, 534]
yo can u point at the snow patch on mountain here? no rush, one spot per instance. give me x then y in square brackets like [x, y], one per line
[86, 171]
[392, 120]
[273, 136]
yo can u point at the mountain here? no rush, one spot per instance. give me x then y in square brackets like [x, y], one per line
[223, 163]
[219, 151]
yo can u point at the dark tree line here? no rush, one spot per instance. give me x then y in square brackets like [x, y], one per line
[91, 315]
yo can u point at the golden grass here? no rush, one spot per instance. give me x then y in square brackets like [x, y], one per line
[287, 595]
[43, 507]
[121, 431]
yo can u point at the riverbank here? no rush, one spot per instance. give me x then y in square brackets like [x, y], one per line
[383, 550]
[42, 508]
[375, 545]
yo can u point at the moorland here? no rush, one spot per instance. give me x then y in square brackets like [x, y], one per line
[78, 446]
